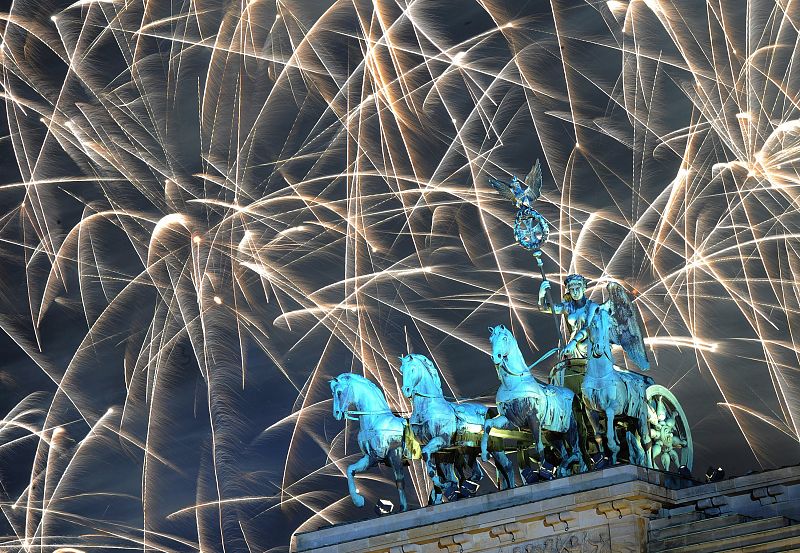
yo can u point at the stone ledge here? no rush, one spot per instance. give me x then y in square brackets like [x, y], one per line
[608, 510]
[561, 495]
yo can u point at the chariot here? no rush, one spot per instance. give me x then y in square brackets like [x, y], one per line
[668, 425]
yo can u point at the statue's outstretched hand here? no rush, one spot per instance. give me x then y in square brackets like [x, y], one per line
[543, 288]
[570, 349]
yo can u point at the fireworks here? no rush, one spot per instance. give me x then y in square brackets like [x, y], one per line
[221, 205]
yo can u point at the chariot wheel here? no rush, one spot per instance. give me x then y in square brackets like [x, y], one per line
[670, 435]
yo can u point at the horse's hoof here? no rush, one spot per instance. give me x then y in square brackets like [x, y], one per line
[435, 499]
[469, 488]
[451, 492]
[530, 475]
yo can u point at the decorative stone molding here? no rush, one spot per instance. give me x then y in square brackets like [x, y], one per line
[615, 509]
[769, 494]
[645, 507]
[507, 532]
[406, 548]
[455, 543]
[584, 541]
[713, 505]
[559, 521]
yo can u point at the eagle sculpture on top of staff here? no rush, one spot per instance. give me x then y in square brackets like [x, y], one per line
[516, 193]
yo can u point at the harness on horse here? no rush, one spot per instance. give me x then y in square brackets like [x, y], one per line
[353, 415]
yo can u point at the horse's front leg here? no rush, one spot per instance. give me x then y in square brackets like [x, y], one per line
[427, 454]
[536, 429]
[396, 462]
[505, 468]
[500, 421]
[594, 422]
[611, 435]
[359, 466]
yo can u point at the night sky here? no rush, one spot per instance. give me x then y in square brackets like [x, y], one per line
[208, 211]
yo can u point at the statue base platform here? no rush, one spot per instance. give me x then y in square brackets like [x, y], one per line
[619, 509]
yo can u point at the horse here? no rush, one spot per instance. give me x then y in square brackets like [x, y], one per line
[524, 402]
[612, 391]
[381, 433]
[437, 423]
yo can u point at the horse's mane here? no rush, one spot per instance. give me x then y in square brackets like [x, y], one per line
[597, 318]
[431, 368]
[363, 381]
[600, 323]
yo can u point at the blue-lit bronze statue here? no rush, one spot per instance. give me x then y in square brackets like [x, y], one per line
[576, 309]
[651, 414]
[381, 433]
[612, 391]
[588, 402]
[524, 402]
[439, 424]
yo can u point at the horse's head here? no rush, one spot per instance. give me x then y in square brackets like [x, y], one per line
[502, 341]
[599, 334]
[342, 395]
[415, 369]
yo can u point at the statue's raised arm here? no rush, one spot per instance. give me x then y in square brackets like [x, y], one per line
[626, 328]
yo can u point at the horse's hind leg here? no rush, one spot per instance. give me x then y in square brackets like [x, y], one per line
[611, 435]
[470, 485]
[359, 466]
[499, 421]
[453, 475]
[444, 481]
[396, 462]
[575, 454]
[477, 470]
[536, 430]
[506, 469]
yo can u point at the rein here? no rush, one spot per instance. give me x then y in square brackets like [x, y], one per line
[353, 415]
[430, 396]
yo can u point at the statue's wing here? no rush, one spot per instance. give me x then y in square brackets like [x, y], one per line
[533, 183]
[505, 190]
[626, 327]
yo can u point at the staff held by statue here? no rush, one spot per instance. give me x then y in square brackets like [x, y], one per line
[530, 228]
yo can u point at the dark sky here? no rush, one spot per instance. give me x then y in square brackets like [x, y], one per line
[228, 210]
